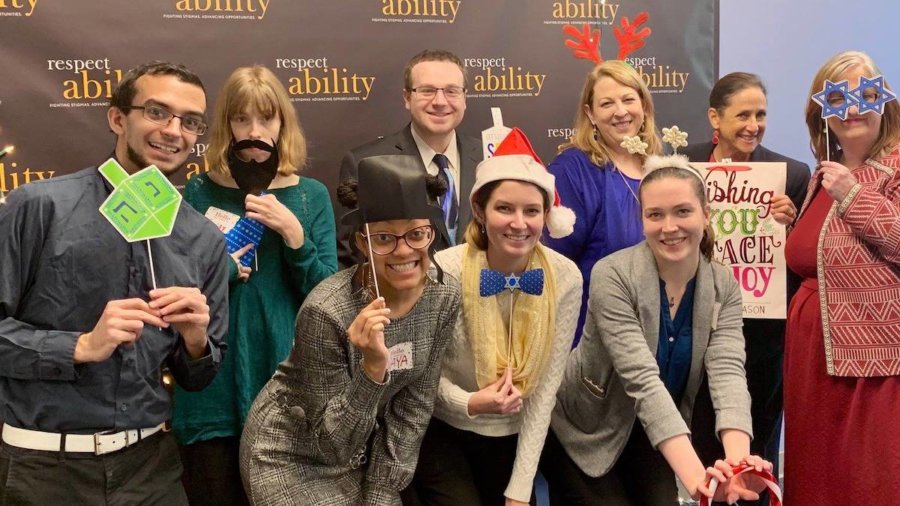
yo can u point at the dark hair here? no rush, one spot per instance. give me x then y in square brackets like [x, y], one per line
[474, 235]
[693, 177]
[348, 196]
[730, 84]
[432, 55]
[126, 90]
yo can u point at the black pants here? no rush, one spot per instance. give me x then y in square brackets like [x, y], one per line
[640, 477]
[212, 473]
[765, 356]
[460, 467]
[148, 472]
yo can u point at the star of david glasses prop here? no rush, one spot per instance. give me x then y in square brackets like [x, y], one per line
[836, 99]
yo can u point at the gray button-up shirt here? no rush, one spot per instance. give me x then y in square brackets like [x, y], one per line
[61, 261]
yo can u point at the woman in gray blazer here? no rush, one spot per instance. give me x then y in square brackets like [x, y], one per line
[660, 317]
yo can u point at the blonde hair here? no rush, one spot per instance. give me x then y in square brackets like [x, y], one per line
[583, 138]
[832, 70]
[256, 89]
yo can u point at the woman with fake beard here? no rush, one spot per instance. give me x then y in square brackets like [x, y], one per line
[509, 346]
[256, 151]
[341, 421]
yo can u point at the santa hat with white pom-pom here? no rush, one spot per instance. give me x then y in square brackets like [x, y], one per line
[515, 159]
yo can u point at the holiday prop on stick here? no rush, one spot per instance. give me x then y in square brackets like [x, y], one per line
[392, 187]
[515, 159]
[142, 206]
[836, 99]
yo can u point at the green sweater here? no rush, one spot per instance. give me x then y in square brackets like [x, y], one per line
[262, 310]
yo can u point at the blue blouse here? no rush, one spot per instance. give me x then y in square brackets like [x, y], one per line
[676, 340]
[608, 215]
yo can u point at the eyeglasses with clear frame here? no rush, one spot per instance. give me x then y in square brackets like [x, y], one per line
[190, 123]
[384, 244]
[429, 92]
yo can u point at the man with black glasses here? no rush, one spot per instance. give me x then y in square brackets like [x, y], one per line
[87, 319]
[434, 92]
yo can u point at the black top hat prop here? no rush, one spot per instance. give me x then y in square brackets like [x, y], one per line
[392, 187]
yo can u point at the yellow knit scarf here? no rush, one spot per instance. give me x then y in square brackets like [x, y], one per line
[532, 324]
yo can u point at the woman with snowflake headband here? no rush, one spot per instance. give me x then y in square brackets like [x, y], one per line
[661, 316]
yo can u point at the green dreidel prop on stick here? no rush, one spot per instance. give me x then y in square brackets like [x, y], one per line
[142, 206]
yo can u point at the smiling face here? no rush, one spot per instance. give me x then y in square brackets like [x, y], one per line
[141, 142]
[513, 219]
[436, 117]
[741, 123]
[616, 110]
[674, 220]
[403, 269]
[860, 129]
[250, 124]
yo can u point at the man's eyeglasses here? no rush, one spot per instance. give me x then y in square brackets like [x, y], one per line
[190, 124]
[384, 243]
[429, 92]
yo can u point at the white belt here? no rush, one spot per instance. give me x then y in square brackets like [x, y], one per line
[98, 444]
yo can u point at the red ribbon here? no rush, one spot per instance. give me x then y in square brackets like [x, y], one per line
[768, 479]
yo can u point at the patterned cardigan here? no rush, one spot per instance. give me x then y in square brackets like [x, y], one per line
[859, 272]
[322, 432]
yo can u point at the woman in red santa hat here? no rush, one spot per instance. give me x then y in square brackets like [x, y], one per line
[506, 358]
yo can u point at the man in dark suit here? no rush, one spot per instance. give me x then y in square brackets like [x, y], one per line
[434, 91]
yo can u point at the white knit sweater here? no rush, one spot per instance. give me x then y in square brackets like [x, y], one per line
[458, 375]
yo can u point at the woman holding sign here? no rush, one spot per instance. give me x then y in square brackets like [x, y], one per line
[660, 317]
[737, 113]
[596, 176]
[256, 151]
[508, 350]
[842, 346]
[342, 419]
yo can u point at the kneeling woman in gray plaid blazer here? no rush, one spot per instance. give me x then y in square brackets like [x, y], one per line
[342, 419]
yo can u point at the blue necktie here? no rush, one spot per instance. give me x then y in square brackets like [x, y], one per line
[245, 231]
[450, 206]
[492, 282]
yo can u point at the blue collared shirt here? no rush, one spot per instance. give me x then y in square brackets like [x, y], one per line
[675, 340]
[60, 263]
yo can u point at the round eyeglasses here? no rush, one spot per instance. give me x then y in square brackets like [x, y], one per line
[384, 243]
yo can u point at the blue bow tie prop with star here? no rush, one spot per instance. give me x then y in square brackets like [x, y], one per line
[492, 282]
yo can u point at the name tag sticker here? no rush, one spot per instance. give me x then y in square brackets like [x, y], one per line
[401, 357]
[222, 219]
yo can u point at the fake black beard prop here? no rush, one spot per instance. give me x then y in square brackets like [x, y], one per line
[253, 177]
